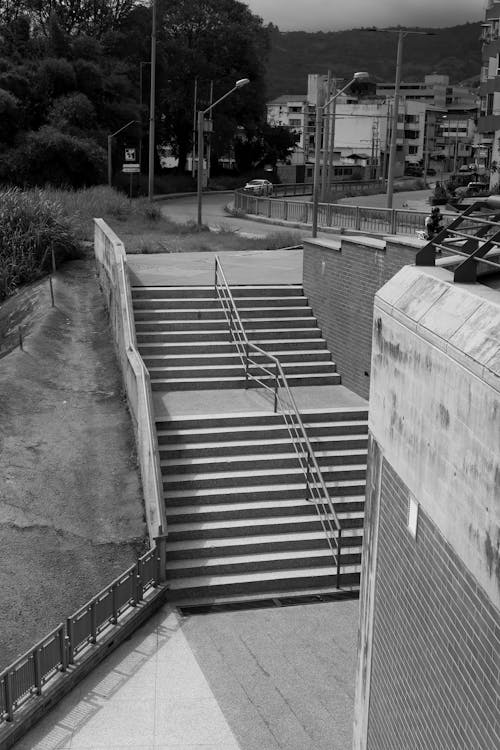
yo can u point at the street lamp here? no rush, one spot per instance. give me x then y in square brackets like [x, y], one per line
[201, 115]
[152, 103]
[320, 109]
[110, 159]
[393, 146]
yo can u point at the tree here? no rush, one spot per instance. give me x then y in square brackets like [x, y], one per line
[209, 40]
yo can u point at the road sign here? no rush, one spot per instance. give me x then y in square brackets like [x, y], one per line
[130, 155]
[131, 168]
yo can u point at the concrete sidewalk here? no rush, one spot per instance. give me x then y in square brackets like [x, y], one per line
[280, 678]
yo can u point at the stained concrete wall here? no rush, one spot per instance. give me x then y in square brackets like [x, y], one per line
[435, 418]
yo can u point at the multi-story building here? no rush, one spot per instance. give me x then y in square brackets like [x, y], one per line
[488, 141]
[436, 125]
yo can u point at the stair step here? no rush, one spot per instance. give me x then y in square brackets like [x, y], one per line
[258, 476]
[237, 428]
[259, 444]
[221, 347]
[258, 582]
[256, 543]
[210, 303]
[338, 490]
[202, 371]
[294, 381]
[156, 322]
[327, 459]
[154, 308]
[257, 509]
[160, 292]
[230, 564]
[233, 358]
[267, 525]
[319, 593]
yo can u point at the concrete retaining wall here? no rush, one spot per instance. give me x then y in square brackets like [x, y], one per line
[428, 662]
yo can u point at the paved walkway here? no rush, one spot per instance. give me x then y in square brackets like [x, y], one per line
[280, 678]
[267, 679]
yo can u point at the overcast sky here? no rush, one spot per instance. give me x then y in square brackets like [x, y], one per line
[331, 15]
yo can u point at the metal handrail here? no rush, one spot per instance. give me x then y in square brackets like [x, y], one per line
[316, 489]
[26, 677]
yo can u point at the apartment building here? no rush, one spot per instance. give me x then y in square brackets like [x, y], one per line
[488, 141]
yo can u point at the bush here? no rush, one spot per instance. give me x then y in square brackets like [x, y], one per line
[31, 226]
[48, 156]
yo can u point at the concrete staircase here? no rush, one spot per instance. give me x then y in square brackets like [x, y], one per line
[240, 526]
[239, 523]
[184, 340]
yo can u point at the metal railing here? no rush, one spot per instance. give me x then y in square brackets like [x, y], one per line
[266, 370]
[338, 215]
[25, 678]
[474, 235]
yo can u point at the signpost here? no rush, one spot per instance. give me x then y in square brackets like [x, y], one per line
[131, 166]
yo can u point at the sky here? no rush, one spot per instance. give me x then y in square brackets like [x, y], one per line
[334, 15]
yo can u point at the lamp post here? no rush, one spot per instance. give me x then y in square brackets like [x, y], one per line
[152, 105]
[393, 144]
[320, 108]
[110, 159]
[201, 115]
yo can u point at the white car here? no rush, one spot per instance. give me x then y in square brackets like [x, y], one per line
[259, 187]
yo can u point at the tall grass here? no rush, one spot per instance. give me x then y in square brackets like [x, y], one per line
[32, 227]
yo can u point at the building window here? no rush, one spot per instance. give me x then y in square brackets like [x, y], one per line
[294, 123]
[413, 149]
[489, 104]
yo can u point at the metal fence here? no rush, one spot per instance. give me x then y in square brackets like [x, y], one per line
[338, 215]
[26, 677]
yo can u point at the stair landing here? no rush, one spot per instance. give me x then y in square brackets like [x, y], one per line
[240, 401]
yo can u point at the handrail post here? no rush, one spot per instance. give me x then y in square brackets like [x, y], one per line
[37, 672]
[275, 387]
[93, 623]
[63, 648]
[114, 605]
[339, 548]
[69, 630]
[246, 365]
[215, 280]
[308, 475]
[138, 579]
[9, 709]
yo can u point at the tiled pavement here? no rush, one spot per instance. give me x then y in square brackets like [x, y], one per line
[259, 679]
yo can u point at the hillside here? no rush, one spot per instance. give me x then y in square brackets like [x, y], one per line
[455, 51]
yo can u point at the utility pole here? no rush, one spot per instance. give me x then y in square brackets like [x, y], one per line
[195, 106]
[326, 140]
[152, 106]
[209, 139]
[394, 131]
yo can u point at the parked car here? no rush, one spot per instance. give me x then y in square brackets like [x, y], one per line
[259, 187]
[413, 170]
[431, 170]
[473, 190]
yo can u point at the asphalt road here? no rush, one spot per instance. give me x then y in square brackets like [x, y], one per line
[184, 209]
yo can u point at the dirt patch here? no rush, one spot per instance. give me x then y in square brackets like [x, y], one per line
[71, 511]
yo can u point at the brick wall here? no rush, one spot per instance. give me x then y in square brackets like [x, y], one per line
[341, 279]
[435, 668]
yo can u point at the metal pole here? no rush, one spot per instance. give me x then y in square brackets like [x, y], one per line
[392, 154]
[152, 106]
[332, 139]
[456, 147]
[195, 104]
[317, 154]
[200, 165]
[326, 137]
[209, 137]
[110, 162]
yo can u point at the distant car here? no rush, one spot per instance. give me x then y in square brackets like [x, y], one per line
[259, 187]
[431, 170]
[473, 189]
